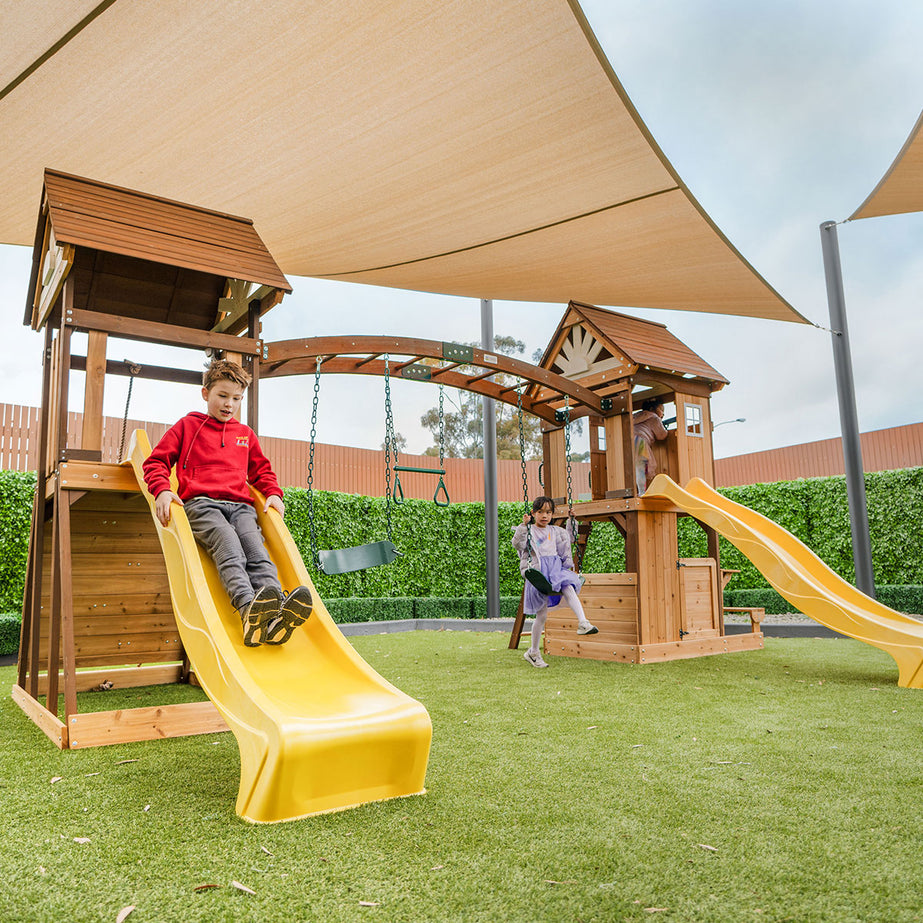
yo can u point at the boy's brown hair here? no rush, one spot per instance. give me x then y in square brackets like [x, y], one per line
[224, 369]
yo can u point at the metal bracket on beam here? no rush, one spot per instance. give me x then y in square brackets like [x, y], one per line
[417, 372]
[457, 352]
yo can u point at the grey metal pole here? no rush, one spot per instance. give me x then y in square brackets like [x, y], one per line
[491, 518]
[849, 420]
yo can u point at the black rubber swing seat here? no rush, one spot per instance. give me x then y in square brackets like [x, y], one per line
[346, 560]
[539, 581]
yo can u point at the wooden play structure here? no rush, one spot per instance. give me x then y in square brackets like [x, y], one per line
[112, 262]
[115, 599]
[663, 607]
[600, 365]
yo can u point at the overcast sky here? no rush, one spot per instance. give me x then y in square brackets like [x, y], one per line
[777, 116]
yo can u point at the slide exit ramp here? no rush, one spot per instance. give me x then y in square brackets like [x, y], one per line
[318, 729]
[801, 577]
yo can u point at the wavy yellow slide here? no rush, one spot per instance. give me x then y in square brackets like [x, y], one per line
[318, 729]
[799, 576]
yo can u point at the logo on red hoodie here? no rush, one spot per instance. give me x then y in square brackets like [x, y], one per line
[243, 441]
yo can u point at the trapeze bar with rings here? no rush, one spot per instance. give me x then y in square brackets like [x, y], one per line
[398, 492]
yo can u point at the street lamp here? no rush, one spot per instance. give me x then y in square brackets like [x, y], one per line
[723, 422]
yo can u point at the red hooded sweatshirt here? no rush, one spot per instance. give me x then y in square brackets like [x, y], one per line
[213, 459]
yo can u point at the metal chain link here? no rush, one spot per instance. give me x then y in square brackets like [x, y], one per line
[389, 441]
[441, 427]
[525, 479]
[571, 519]
[315, 556]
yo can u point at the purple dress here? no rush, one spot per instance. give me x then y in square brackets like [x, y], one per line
[551, 554]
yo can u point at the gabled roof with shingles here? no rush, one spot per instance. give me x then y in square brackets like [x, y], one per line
[88, 213]
[646, 344]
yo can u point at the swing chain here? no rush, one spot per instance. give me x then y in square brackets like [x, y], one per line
[525, 480]
[133, 369]
[441, 427]
[389, 444]
[315, 556]
[571, 519]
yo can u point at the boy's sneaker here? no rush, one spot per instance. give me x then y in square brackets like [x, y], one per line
[535, 659]
[296, 610]
[587, 629]
[258, 612]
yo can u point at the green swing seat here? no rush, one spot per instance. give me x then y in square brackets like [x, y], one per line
[346, 560]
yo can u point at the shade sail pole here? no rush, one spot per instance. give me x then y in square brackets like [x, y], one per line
[849, 420]
[491, 517]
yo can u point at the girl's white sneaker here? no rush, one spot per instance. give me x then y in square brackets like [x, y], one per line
[587, 629]
[534, 659]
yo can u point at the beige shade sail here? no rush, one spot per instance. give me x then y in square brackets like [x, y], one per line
[901, 188]
[483, 149]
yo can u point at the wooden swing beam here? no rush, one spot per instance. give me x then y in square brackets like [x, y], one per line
[360, 355]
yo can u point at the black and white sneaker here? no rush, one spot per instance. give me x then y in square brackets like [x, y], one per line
[296, 609]
[255, 616]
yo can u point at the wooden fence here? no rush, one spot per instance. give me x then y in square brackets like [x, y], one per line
[362, 471]
[882, 450]
[354, 471]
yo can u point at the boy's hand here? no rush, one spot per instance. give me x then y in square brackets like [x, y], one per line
[275, 501]
[162, 506]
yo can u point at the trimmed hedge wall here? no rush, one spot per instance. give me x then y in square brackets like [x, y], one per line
[17, 490]
[391, 609]
[443, 547]
[903, 598]
[9, 633]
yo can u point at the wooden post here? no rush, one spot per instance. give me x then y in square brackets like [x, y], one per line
[599, 477]
[93, 392]
[63, 367]
[253, 403]
[518, 623]
[32, 601]
[66, 585]
[54, 609]
[651, 553]
[555, 460]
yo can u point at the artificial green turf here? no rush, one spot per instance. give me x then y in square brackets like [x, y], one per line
[782, 784]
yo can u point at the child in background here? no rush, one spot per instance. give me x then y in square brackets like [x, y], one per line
[647, 428]
[550, 554]
[216, 457]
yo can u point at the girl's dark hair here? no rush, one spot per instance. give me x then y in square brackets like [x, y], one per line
[652, 403]
[539, 502]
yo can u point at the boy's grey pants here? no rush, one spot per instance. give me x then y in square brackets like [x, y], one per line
[230, 534]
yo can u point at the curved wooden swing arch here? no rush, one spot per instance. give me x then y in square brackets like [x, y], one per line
[467, 368]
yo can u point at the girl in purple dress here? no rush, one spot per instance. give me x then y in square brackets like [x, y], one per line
[546, 548]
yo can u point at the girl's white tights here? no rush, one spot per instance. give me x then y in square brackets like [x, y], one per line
[538, 620]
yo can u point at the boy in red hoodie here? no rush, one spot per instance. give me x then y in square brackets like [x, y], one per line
[216, 457]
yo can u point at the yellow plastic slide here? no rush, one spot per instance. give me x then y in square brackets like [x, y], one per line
[799, 576]
[318, 729]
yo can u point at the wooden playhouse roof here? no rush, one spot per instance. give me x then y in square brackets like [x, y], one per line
[643, 343]
[112, 229]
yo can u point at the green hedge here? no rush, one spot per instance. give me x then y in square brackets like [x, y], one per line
[390, 609]
[444, 554]
[17, 490]
[903, 598]
[9, 634]
[815, 510]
